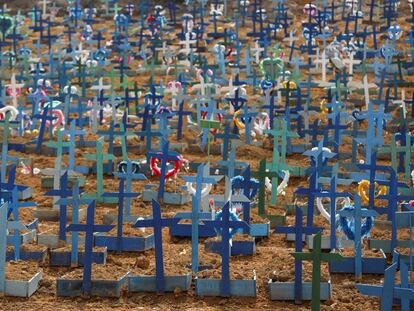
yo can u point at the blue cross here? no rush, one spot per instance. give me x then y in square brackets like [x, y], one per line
[6, 225]
[75, 201]
[89, 228]
[128, 176]
[43, 117]
[224, 225]
[149, 134]
[165, 155]
[231, 164]
[72, 132]
[389, 291]
[203, 177]
[14, 206]
[63, 193]
[226, 136]
[121, 195]
[299, 231]
[157, 222]
[333, 195]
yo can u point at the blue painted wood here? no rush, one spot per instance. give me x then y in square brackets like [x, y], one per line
[63, 192]
[223, 226]
[89, 228]
[388, 291]
[333, 195]
[237, 288]
[164, 155]
[129, 176]
[174, 198]
[14, 206]
[18, 288]
[184, 230]
[157, 222]
[27, 256]
[203, 177]
[237, 247]
[369, 265]
[13, 287]
[64, 258]
[101, 288]
[286, 290]
[299, 231]
[148, 283]
[128, 244]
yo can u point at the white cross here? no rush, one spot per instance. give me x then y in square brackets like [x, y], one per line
[14, 88]
[257, 50]
[101, 86]
[44, 6]
[5, 9]
[350, 61]
[292, 38]
[187, 44]
[228, 89]
[163, 49]
[324, 62]
[174, 90]
[94, 115]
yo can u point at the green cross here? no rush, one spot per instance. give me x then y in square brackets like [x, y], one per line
[261, 176]
[7, 125]
[317, 257]
[99, 157]
[394, 151]
[279, 160]
[209, 124]
[59, 144]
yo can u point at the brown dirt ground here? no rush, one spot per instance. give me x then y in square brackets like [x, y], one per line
[272, 260]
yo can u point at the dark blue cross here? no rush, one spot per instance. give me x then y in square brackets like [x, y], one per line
[299, 231]
[63, 193]
[226, 136]
[121, 195]
[333, 195]
[14, 206]
[157, 222]
[165, 155]
[224, 225]
[89, 228]
[149, 134]
[43, 117]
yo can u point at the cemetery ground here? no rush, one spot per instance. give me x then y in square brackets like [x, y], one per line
[272, 260]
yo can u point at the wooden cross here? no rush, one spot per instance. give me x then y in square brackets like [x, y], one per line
[299, 232]
[157, 222]
[261, 176]
[99, 157]
[7, 125]
[165, 155]
[128, 175]
[333, 195]
[6, 225]
[121, 195]
[317, 257]
[203, 177]
[89, 228]
[224, 225]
